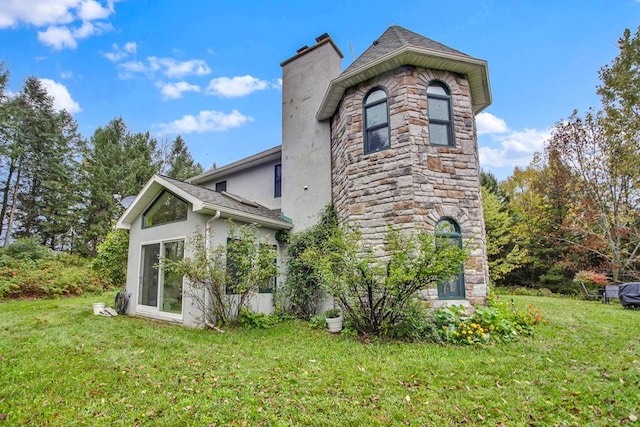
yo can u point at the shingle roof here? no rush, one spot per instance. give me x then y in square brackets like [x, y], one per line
[394, 38]
[223, 200]
[398, 46]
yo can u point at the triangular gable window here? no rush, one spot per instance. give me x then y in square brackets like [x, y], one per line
[166, 208]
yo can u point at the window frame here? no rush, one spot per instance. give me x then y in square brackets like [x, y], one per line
[153, 204]
[459, 280]
[365, 129]
[159, 276]
[221, 184]
[439, 122]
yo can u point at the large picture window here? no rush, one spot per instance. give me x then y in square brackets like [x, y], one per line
[439, 113]
[166, 208]
[160, 288]
[376, 122]
[448, 232]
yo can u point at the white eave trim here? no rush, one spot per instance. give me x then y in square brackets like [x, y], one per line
[475, 69]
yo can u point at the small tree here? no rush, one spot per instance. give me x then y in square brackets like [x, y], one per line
[222, 279]
[303, 293]
[111, 262]
[376, 292]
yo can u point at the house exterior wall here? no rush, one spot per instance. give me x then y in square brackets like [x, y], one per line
[192, 314]
[412, 184]
[255, 183]
[138, 237]
[306, 158]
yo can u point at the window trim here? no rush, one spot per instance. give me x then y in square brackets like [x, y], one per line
[365, 129]
[457, 234]
[449, 123]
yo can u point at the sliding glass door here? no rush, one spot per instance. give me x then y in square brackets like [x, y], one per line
[159, 288]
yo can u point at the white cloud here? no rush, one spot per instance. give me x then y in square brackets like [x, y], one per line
[62, 99]
[169, 67]
[117, 54]
[36, 12]
[488, 123]
[90, 10]
[56, 15]
[172, 68]
[175, 90]
[515, 148]
[58, 38]
[206, 121]
[235, 86]
[130, 68]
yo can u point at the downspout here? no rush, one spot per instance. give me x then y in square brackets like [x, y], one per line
[207, 245]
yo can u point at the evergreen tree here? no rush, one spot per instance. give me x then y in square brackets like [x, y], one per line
[179, 163]
[116, 164]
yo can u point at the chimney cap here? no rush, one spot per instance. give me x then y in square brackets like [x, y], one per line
[322, 37]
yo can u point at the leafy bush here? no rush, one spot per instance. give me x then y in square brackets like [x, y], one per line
[499, 321]
[59, 274]
[111, 262]
[223, 293]
[249, 319]
[27, 248]
[375, 291]
[302, 292]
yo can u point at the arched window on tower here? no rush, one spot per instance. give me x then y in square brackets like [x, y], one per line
[376, 122]
[439, 113]
[448, 232]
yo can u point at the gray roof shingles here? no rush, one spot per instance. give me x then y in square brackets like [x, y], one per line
[394, 38]
[207, 195]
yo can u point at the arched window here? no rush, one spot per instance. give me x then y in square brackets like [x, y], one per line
[448, 232]
[439, 112]
[376, 122]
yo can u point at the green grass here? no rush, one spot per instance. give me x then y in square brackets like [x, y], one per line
[60, 365]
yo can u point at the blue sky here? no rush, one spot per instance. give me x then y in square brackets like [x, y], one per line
[209, 70]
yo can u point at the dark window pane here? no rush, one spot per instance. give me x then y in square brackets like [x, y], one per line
[375, 96]
[439, 109]
[166, 208]
[172, 282]
[377, 115]
[378, 139]
[277, 192]
[149, 287]
[439, 134]
[221, 186]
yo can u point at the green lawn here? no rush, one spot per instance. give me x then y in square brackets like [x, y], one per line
[61, 365]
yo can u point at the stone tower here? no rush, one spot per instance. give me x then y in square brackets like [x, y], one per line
[404, 150]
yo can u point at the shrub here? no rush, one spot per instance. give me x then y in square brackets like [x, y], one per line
[302, 292]
[375, 292]
[228, 290]
[111, 262]
[249, 319]
[499, 321]
[591, 278]
[27, 248]
[57, 275]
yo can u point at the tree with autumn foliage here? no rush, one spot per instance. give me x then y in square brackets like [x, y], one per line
[602, 150]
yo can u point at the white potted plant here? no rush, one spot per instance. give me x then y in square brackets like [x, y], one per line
[333, 317]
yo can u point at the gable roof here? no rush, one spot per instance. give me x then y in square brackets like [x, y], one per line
[398, 46]
[203, 200]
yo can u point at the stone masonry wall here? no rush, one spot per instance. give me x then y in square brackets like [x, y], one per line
[412, 184]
